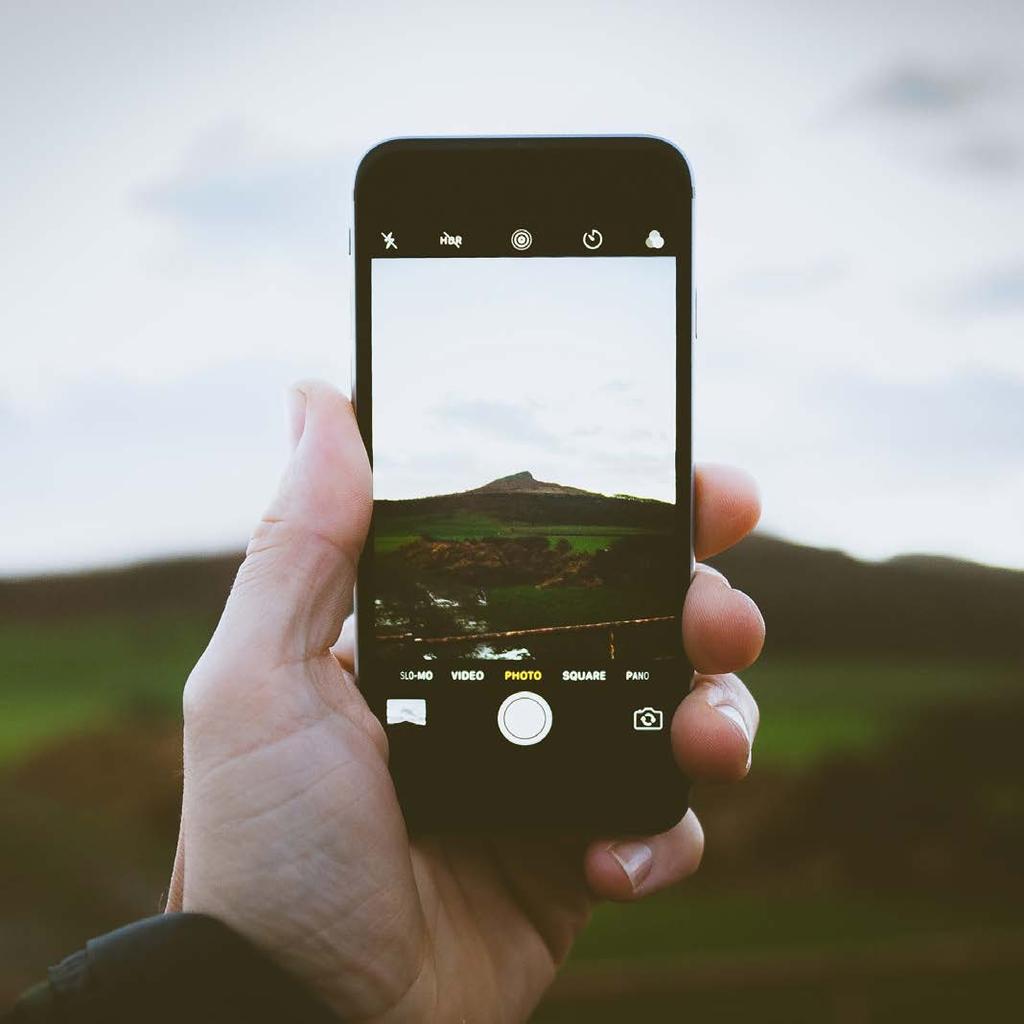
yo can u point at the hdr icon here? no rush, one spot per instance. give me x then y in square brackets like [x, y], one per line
[447, 239]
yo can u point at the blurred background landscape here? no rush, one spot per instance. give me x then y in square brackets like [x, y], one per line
[869, 868]
[174, 201]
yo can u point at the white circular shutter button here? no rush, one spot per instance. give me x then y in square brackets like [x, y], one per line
[524, 718]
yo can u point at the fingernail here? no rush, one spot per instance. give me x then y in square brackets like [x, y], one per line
[635, 859]
[296, 414]
[735, 716]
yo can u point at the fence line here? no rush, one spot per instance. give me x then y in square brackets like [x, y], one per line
[507, 634]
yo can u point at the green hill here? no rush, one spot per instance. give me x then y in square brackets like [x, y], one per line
[817, 601]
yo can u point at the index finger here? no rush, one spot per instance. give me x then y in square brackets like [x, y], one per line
[726, 505]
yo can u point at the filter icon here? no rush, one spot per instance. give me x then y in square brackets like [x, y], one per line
[654, 240]
[521, 239]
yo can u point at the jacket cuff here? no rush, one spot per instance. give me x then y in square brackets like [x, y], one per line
[173, 968]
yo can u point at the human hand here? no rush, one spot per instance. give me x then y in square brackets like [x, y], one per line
[291, 832]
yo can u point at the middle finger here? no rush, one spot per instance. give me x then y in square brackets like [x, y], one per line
[723, 630]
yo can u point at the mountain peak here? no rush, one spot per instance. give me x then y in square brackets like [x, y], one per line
[525, 481]
[522, 479]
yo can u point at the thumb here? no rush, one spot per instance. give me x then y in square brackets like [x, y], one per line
[294, 589]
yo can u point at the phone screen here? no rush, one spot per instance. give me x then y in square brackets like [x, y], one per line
[520, 612]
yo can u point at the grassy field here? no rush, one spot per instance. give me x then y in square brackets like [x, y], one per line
[852, 833]
[791, 958]
[811, 707]
[101, 672]
[696, 922]
[584, 539]
[401, 530]
[524, 606]
[64, 677]
[464, 525]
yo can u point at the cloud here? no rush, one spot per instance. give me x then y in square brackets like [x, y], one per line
[227, 404]
[962, 118]
[992, 293]
[916, 89]
[970, 424]
[119, 469]
[502, 420]
[990, 154]
[792, 282]
[233, 189]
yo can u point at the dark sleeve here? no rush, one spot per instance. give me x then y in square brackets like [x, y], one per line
[170, 968]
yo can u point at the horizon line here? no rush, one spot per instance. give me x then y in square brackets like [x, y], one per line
[140, 561]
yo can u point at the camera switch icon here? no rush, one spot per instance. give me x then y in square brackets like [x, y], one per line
[648, 720]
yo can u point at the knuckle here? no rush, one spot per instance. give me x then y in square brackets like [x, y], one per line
[709, 572]
[706, 576]
[209, 686]
[195, 695]
[192, 698]
[286, 544]
[268, 536]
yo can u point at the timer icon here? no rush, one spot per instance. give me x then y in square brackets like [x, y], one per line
[592, 239]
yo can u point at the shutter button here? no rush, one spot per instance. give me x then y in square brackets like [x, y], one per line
[524, 718]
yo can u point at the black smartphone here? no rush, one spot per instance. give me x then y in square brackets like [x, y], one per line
[523, 322]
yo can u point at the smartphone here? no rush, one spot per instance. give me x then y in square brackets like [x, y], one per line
[523, 321]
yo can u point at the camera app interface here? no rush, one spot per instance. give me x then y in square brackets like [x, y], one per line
[525, 529]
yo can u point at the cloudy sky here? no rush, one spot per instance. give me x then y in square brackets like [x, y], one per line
[561, 367]
[174, 187]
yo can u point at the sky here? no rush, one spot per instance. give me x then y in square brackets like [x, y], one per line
[562, 367]
[175, 184]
